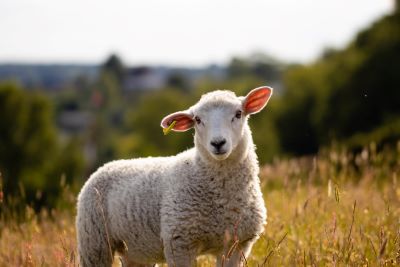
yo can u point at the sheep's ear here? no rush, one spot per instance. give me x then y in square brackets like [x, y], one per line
[257, 99]
[184, 121]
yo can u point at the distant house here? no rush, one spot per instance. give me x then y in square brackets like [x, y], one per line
[144, 78]
[73, 122]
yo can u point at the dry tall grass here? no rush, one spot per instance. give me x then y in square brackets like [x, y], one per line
[332, 210]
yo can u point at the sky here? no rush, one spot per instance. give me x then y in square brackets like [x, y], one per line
[179, 32]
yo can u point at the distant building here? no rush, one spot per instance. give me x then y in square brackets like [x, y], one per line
[144, 78]
[74, 122]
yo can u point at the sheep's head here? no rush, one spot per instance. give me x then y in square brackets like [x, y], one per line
[219, 119]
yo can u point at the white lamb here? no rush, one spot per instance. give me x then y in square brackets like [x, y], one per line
[206, 200]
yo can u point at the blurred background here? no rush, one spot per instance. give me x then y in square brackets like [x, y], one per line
[86, 82]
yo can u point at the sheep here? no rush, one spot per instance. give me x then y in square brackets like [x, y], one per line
[205, 200]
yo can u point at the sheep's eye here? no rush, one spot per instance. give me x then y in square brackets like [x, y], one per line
[238, 114]
[197, 119]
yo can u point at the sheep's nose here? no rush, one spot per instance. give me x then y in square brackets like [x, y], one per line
[218, 143]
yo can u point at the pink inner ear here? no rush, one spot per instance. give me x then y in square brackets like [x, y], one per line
[183, 122]
[257, 99]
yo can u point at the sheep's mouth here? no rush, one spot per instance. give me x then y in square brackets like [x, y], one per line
[220, 154]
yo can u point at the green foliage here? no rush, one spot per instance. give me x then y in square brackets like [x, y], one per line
[265, 134]
[143, 125]
[344, 93]
[28, 137]
[257, 65]
[178, 81]
[30, 151]
[114, 66]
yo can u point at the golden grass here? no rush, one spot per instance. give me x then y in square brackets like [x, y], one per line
[40, 241]
[332, 210]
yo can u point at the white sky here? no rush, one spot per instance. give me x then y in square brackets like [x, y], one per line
[178, 32]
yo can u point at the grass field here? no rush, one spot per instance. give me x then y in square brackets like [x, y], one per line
[335, 209]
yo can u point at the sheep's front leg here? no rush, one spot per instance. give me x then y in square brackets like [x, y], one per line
[237, 257]
[179, 255]
[126, 262]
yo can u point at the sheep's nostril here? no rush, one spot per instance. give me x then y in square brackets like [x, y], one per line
[218, 143]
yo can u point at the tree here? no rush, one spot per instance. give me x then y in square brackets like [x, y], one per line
[27, 136]
[30, 153]
[143, 125]
[346, 93]
[115, 67]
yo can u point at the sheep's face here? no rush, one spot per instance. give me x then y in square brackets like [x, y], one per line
[219, 119]
[219, 122]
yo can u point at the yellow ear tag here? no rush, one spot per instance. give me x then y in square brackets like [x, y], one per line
[167, 130]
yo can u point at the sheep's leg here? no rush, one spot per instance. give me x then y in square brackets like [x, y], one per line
[181, 261]
[93, 247]
[177, 257]
[235, 260]
[237, 257]
[129, 263]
